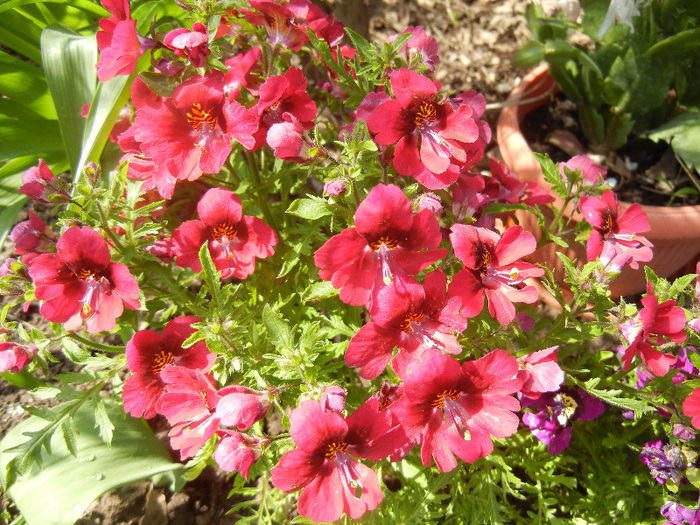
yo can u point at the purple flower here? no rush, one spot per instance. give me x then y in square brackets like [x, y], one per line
[557, 411]
[664, 461]
[679, 515]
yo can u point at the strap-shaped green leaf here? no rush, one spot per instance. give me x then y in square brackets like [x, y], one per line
[62, 489]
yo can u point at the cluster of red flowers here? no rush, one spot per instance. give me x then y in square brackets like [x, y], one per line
[450, 409]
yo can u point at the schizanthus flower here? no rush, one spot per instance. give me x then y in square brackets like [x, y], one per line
[13, 358]
[39, 183]
[492, 269]
[456, 409]
[384, 243]
[433, 139]
[325, 464]
[148, 352]
[119, 44]
[79, 282]
[234, 240]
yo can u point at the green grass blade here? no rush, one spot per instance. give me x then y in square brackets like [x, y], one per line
[69, 63]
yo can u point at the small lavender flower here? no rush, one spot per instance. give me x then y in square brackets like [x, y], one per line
[664, 461]
[680, 515]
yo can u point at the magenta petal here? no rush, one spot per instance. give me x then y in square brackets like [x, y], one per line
[515, 244]
[322, 499]
[407, 160]
[371, 348]
[311, 427]
[295, 470]
[466, 287]
[240, 410]
[385, 209]
[233, 455]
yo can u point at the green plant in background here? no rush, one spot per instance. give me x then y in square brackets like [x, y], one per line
[637, 78]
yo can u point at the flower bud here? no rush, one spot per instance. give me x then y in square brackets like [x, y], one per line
[430, 201]
[334, 187]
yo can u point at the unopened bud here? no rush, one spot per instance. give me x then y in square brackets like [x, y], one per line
[92, 173]
[334, 187]
[430, 201]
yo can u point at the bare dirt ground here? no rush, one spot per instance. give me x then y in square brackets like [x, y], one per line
[477, 39]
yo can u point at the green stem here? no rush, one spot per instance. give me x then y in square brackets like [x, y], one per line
[108, 231]
[261, 196]
[96, 346]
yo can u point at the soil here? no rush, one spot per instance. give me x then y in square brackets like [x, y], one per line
[477, 39]
[642, 171]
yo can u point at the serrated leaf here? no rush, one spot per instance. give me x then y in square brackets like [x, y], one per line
[210, 274]
[103, 423]
[278, 331]
[311, 209]
[320, 290]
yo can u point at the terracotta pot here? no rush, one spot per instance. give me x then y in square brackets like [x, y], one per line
[675, 231]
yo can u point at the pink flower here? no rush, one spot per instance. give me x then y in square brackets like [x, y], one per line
[280, 95]
[148, 352]
[278, 21]
[188, 402]
[333, 398]
[540, 372]
[288, 140]
[384, 244]
[420, 45]
[408, 316]
[621, 230]
[457, 408]
[32, 236]
[190, 134]
[492, 269]
[240, 72]
[430, 201]
[691, 407]
[652, 326]
[593, 174]
[80, 282]
[193, 45]
[13, 358]
[39, 183]
[236, 452]
[324, 463]
[334, 187]
[241, 407]
[119, 44]
[433, 140]
[234, 240]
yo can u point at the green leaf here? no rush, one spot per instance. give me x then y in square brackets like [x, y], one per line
[675, 45]
[86, 5]
[320, 290]
[61, 490]
[19, 138]
[312, 208]
[693, 475]
[69, 63]
[278, 331]
[210, 274]
[364, 48]
[683, 133]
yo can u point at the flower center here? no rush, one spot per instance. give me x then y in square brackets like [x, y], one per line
[607, 224]
[334, 447]
[161, 360]
[386, 241]
[413, 317]
[86, 274]
[198, 118]
[439, 401]
[224, 230]
[426, 112]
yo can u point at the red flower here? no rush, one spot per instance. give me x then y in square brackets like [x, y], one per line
[384, 244]
[288, 140]
[79, 282]
[278, 21]
[691, 407]
[13, 358]
[540, 372]
[433, 140]
[408, 316]
[39, 183]
[456, 409]
[148, 352]
[236, 452]
[190, 134]
[193, 45]
[235, 240]
[119, 44]
[652, 326]
[32, 236]
[279, 96]
[492, 268]
[240, 73]
[324, 464]
[188, 402]
[612, 227]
